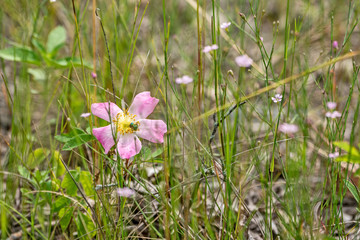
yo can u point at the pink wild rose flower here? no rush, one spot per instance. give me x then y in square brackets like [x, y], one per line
[126, 126]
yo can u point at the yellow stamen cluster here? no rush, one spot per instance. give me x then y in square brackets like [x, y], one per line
[122, 122]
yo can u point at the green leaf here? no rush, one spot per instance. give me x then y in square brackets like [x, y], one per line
[47, 186]
[156, 153]
[23, 172]
[148, 155]
[345, 158]
[68, 136]
[74, 139]
[77, 141]
[68, 183]
[58, 164]
[37, 157]
[38, 45]
[37, 73]
[346, 146]
[76, 62]
[65, 215]
[57, 63]
[87, 183]
[20, 54]
[85, 226]
[60, 203]
[56, 39]
[354, 191]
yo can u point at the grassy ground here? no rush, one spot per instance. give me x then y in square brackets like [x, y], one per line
[226, 169]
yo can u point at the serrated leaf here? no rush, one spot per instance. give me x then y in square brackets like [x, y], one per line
[20, 54]
[77, 141]
[37, 157]
[87, 183]
[65, 215]
[354, 191]
[56, 39]
[68, 184]
[346, 146]
[37, 73]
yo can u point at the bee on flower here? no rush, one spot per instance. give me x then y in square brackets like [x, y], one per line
[127, 126]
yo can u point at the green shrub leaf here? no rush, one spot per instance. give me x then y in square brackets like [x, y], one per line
[346, 146]
[354, 191]
[37, 73]
[77, 141]
[56, 40]
[37, 157]
[20, 54]
[86, 182]
[68, 183]
[85, 226]
[65, 215]
[57, 164]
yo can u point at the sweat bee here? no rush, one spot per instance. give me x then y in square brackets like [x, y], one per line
[134, 126]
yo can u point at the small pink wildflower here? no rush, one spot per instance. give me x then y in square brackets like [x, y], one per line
[225, 25]
[262, 39]
[85, 115]
[331, 105]
[333, 115]
[288, 128]
[243, 61]
[184, 80]
[125, 192]
[333, 155]
[93, 75]
[126, 126]
[335, 45]
[210, 48]
[277, 98]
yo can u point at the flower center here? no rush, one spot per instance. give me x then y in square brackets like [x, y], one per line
[125, 123]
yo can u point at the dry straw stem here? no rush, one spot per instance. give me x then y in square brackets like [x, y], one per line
[193, 4]
[271, 87]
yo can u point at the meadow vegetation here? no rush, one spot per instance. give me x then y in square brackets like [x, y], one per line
[257, 106]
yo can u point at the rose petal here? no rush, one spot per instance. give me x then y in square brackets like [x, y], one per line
[103, 111]
[128, 146]
[143, 105]
[152, 130]
[105, 137]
